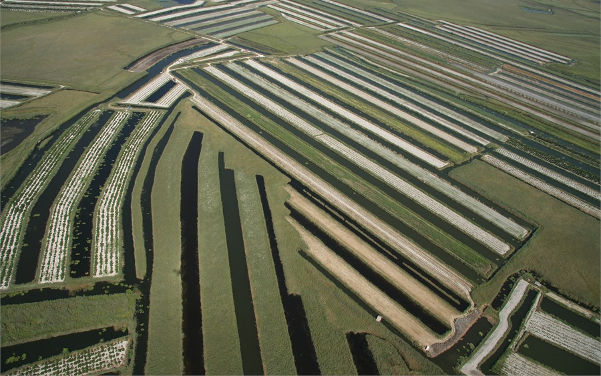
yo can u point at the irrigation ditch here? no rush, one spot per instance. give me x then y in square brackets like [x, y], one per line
[382, 213]
[191, 301]
[362, 355]
[17, 355]
[81, 251]
[143, 303]
[243, 302]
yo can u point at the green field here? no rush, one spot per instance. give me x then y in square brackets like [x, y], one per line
[33, 321]
[68, 52]
[82, 56]
[283, 38]
[564, 250]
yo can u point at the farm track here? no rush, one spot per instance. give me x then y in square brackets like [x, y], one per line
[107, 240]
[380, 229]
[367, 292]
[60, 226]
[13, 215]
[470, 368]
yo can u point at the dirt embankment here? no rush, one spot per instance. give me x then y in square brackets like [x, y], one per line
[154, 57]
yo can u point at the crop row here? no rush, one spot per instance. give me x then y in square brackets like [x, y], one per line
[559, 100]
[206, 52]
[432, 205]
[93, 360]
[313, 20]
[422, 174]
[357, 10]
[13, 224]
[517, 365]
[378, 228]
[212, 20]
[120, 9]
[394, 110]
[427, 104]
[566, 89]
[499, 42]
[238, 22]
[562, 335]
[107, 243]
[433, 117]
[419, 293]
[594, 193]
[543, 186]
[23, 90]
[489, 43]
[38, 7]
[205, 18]
[331, 121]
[381, 303]
[541, 76]
[60, 226]
[183, 13]
[146, 90]
[450, 78]
[171, 96]
[250, 26]
[196, 4]
[368, 126]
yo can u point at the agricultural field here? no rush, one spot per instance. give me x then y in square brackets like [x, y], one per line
[300, 187]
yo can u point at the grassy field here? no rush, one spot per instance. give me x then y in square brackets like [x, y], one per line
[60, 106]
[165, 328]
[13, 17]
[283, 38]
[387, 358]
[330, 312]
[275, 344]
[564, 250]
[70, 53]
[220, 329]
[33, 321]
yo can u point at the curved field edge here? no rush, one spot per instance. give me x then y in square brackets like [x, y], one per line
[560, 227]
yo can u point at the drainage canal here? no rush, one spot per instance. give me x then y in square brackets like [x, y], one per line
[305, 358]
[192, 315]
[243, 303]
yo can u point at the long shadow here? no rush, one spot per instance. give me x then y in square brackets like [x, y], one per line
[438, 326]
[192, 314]
[362, 356]
[83, 222]
[36, 227]
[143, 303]
[29, 352]
[303, 350]
[243, 303]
